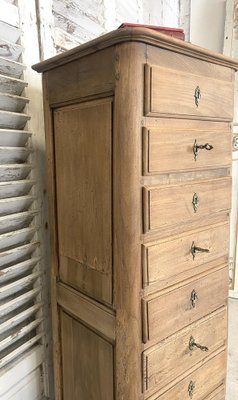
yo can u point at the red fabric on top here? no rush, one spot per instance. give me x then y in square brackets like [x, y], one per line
[175, 32]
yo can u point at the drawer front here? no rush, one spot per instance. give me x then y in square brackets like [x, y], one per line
[184, 203]
[184, 305]
[162, 145]
[218, 394]
[189, 252]
[169, 359]
[170, 91]
[205, 383]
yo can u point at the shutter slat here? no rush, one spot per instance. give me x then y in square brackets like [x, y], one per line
[13, 120]
[10, 102]
[18, 318]
[15, 238]
[13, 255]
[18, 269]
[19, 350]
[9, 32]
[19, 333]
[9, 14]
[15, 205]
[14, 172]
[14, 303]
[12, 85]
[11, 68]
[18, 285]
[10, 50]
[14, 222]
[15, 155]
[15, 188]
[11, 137]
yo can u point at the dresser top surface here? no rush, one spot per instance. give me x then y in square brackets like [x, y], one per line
[139, 35]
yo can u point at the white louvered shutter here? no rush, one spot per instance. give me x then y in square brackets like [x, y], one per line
[20, 284]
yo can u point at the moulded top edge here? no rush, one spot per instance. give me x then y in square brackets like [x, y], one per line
[143, 35]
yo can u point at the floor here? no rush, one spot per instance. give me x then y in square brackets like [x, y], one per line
[232, 380]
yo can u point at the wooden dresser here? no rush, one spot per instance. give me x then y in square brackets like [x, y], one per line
[138, 131]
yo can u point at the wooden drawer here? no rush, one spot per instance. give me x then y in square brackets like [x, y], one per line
[166, 141]
[167, 313]
[208, 382]
[158, 258]
[218, 394]
[174, 92]
[172, 357]
[176, 204]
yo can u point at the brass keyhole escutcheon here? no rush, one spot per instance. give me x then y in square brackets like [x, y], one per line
[197, 95]
[193, 344]
[197, 147]
[193, 298]
[195, 202]
[191, 388]
[195, 249]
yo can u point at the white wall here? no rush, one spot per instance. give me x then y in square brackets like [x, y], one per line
[207, 23]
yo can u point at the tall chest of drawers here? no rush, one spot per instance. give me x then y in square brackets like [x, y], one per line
[138, 132]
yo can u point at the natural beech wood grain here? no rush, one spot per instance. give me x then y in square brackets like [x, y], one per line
[160, 268]
[161, 145]
[147, 36]
[95, 283]
[82, 135]
[127, 220]
[171, 177]
[95, 73]
[172, 230]
[209, 382]
[93, 354]
[170, 91]
[173, 204]
[121, 211]
[218, 394]
[186, 64]
[172, 357]
[48, 118]
[175, 308]
[92, 313]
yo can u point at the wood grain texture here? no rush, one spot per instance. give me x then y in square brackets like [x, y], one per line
[93, 314]
[172, 357]
[172, 205]
[219, 394]
[164, 143]
[87, 362]
[186, 64]
[186, 176]
[96, 75]
[127, 221]
[147, 36]
[88, 280]
[83, 180]
[175, 308]
[161, 269]
[172, 92]
[123, 221]
[209, 382]
[48, 119]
